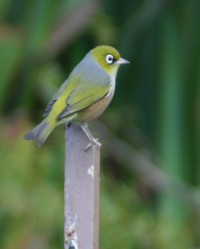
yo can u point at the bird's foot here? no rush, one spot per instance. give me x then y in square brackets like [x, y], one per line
[93, 142]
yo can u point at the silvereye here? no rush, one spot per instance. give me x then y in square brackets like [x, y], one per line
[83, 96]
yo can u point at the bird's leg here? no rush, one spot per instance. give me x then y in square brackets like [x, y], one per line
[89, 135]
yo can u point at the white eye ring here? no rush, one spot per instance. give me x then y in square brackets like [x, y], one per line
[109, 59]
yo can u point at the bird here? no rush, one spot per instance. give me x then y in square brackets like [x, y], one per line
[83, 96]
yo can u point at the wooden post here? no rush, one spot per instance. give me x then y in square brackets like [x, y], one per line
[81, 191]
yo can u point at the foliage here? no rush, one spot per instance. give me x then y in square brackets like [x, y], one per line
[154, 114]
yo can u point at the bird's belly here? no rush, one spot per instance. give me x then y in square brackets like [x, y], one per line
[95, 110]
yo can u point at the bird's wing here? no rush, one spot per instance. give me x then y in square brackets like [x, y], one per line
[57, 95]
[82, 98]
[49, 106]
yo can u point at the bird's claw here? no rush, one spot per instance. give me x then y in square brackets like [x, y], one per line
[93, 142]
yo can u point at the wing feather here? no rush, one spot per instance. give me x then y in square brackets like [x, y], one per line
[78, 101]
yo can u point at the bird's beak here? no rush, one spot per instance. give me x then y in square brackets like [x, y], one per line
[122, 61]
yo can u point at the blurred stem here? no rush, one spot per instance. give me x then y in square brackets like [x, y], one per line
[192, 79]
[171, 105]
[197, 125]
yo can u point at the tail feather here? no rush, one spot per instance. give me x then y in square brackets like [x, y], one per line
[40, 133]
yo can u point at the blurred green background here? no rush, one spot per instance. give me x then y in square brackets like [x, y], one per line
[150, 156]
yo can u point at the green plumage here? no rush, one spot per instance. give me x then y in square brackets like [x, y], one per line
[87, 85]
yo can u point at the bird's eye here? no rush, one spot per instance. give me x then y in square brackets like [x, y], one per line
[109, 59]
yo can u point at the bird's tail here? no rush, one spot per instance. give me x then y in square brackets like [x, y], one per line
[40, 133]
